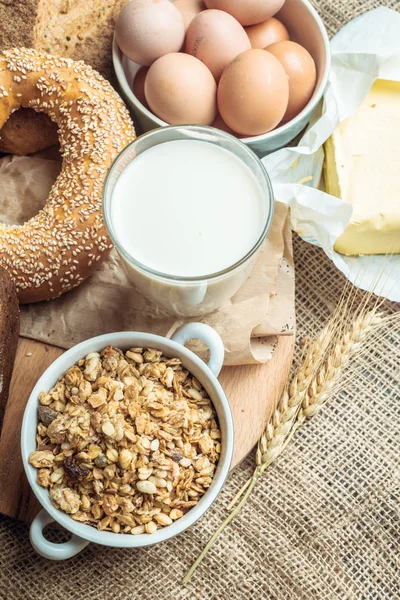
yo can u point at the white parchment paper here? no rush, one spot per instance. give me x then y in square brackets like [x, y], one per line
[366, 49]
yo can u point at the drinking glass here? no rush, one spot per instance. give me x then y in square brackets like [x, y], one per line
[188, 296]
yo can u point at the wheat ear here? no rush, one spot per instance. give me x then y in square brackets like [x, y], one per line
[332, 350]
[326, 379]
[325, 359]
[285, 414]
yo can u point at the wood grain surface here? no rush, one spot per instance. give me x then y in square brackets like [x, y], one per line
[252, 390]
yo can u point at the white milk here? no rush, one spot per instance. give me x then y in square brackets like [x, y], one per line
[188, 208]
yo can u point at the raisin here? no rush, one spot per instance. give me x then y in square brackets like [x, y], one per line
[73, 469]
[46, 415]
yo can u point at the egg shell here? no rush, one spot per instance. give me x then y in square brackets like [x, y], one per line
[248, 12]
[138, 85]
[180, 89]
[189, 9]
[219, 123]
[253, 93]
[215, 38]
[148, 29]
[302, 74]
[267, 33]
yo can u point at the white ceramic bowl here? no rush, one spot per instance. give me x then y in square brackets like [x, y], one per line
[304, 26]
[206, 374]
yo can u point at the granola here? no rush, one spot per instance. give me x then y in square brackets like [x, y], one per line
[126, 441]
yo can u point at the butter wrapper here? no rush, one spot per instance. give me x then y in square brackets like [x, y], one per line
[366, 49]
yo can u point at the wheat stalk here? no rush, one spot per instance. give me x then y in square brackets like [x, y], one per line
[331, 352]
[313, 383]
[273, 441]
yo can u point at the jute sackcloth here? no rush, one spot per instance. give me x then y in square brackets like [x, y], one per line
[324, 524]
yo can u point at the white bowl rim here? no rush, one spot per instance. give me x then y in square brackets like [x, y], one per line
[121, 540]
[282, 129]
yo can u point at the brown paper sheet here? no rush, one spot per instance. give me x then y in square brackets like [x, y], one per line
[249, 324]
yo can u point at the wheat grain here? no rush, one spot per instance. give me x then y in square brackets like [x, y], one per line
[347, 346]
[272, 441]
[374, 326]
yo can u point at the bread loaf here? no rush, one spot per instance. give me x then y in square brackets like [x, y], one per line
[9, 332]
[78, 29]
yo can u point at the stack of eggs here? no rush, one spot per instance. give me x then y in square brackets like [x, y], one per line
[226, 63]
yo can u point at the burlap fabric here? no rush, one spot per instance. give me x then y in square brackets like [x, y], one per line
[324, 524]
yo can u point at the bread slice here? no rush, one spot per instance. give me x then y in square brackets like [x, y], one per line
[78, 29]
[9, 333]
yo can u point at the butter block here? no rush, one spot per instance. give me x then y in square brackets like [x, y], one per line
[362, 166]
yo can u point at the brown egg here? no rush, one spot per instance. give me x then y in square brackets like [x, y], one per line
[148, 29]
[266, 33]
[219, 123]
[248, 12]
[300, 68]
[138, 85]
[189, 9]
[215, 38]
[253, 93]
[180, 89]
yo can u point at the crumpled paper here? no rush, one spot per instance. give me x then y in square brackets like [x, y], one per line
[366, 49]
[249, 324]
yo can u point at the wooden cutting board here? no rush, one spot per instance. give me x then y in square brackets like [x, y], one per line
[253, 392]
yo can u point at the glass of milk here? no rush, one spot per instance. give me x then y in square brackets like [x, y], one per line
[188, 207]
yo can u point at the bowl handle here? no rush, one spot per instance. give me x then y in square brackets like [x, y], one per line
[48, 549]
[208, 335]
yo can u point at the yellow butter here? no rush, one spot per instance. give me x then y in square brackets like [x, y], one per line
[362, 166]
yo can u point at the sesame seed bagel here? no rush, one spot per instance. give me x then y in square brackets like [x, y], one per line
[62, 245]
